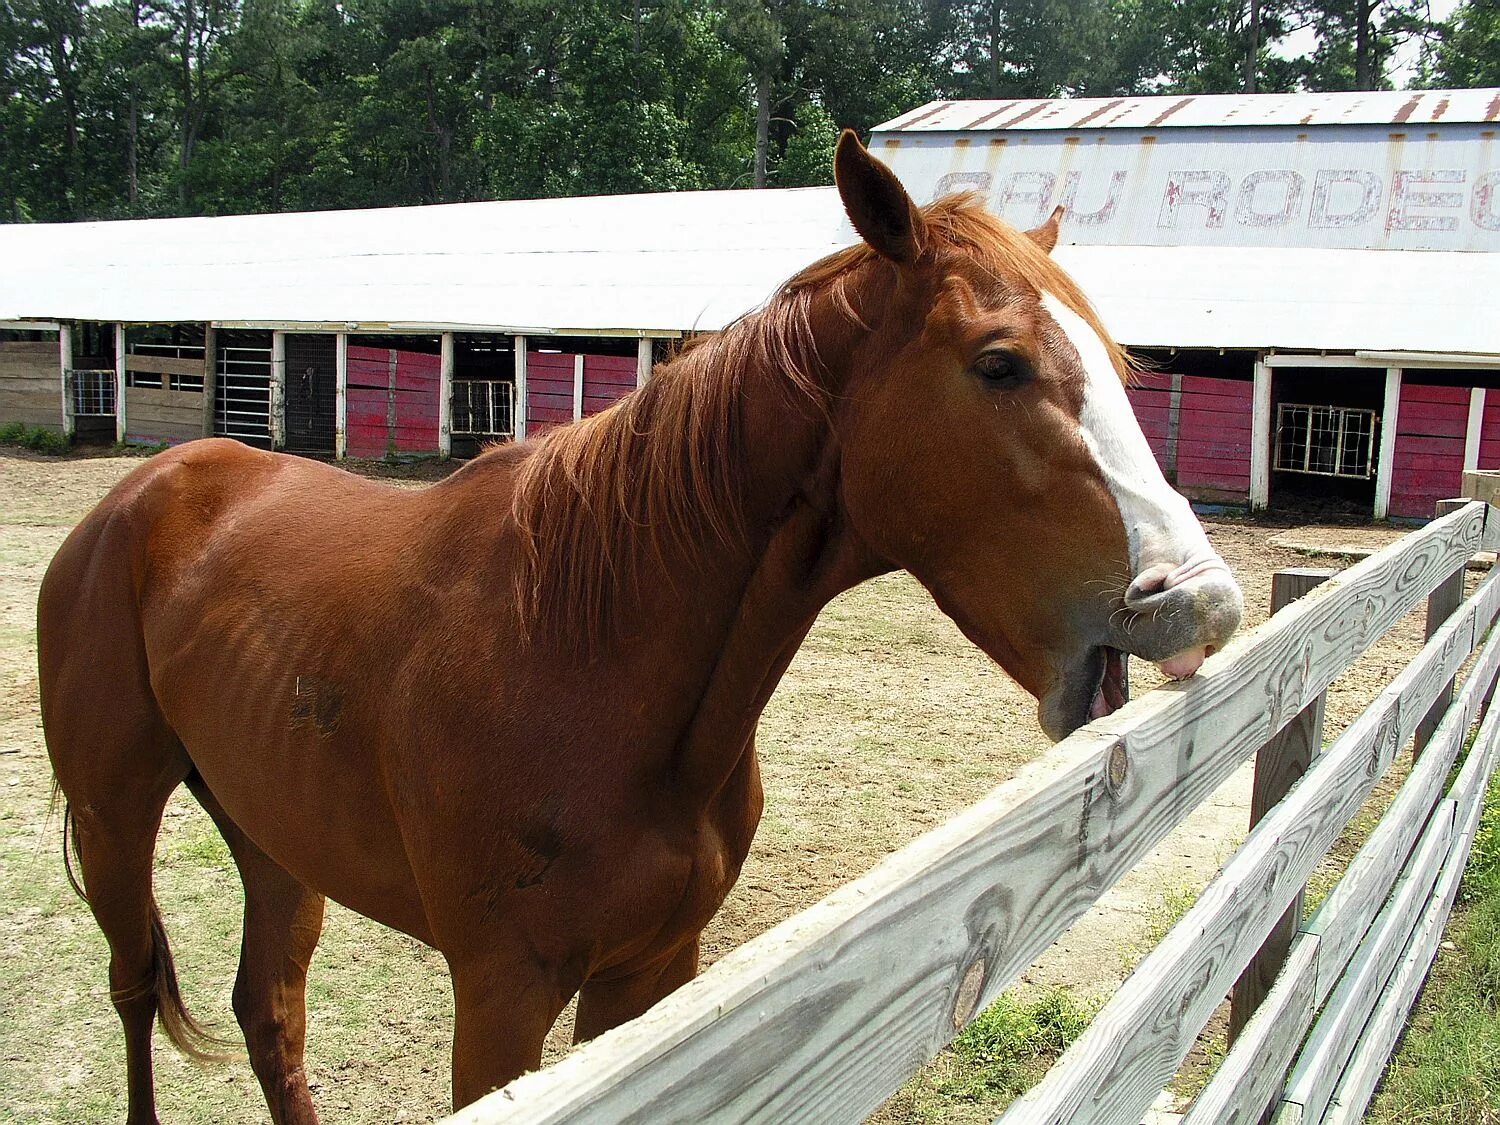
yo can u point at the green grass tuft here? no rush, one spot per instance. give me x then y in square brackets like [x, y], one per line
[1448, 1067]
[1013, 1042]
[38, 439]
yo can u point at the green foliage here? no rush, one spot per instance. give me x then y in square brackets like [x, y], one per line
[116, 108]
[1448, 1067]
[1012, 1043]
[38, 439]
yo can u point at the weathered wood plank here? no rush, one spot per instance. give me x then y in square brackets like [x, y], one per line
[1373, 1051]
[1440, 603]
[1250, 1078]
[188, 402]
[1136, 1043]
[820, 1019]
[164, 364]
[1279, 764]
[1337, 1029]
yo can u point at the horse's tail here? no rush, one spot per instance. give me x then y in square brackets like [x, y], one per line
[186, 1033]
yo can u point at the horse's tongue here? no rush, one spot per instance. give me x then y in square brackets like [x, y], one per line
[1184, 664]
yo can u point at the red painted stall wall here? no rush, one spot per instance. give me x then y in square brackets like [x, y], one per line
[1429, 462]
[372, 428]
[605, 379]
[1213, 438]
[1150, 395]
[549, 386]
[549, 390]
[1489, 434]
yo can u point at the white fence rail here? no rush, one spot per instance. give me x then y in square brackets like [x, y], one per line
[825, 1016]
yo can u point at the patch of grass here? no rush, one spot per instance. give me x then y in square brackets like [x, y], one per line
[1160, 918]
[1448, 1067]
[38, 439]
[994, 1060]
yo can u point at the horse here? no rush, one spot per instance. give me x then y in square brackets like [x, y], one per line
[513, 714]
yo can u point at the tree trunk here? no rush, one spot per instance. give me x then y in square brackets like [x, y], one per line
[1364, 78]
[762, 127]
[1252, 49]
[132, 159]
[994, 40]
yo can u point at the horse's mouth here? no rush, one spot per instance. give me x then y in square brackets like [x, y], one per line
[1112, 692]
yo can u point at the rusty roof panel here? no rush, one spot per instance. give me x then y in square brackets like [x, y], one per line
[1379, 107]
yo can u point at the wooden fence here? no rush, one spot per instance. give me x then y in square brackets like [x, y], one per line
[823, 1017]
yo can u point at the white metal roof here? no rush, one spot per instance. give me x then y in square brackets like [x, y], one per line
[666, 263]
[1379, 107]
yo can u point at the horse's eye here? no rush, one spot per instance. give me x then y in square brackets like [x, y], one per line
[1000, 369]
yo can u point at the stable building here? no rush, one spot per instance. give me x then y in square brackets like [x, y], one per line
[1310, 281]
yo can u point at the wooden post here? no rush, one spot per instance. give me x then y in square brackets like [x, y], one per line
[340, 395]
[1441, 603]
[644, 357]
[1174, 427]
[577, 387]
[518, 423]
[65, 368]
[1260, 438]
[120, 384]
[1385, 464]
[445, 398]
[1278, 765]
[210, 376]
[1475, 430]
[278, 390]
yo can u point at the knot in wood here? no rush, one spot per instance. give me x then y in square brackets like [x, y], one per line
[969, 989]
[1119, 767]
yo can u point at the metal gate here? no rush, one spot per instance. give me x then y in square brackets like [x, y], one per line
[311, 392]
[242, 390]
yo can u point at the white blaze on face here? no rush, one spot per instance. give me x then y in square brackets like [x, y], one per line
[1159, 524]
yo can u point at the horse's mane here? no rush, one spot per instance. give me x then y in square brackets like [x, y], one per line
[663, 469]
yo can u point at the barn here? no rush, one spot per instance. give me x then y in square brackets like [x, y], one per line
[1308, 279]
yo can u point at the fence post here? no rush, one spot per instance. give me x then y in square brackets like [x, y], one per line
[1278, 765]
[1441, 603]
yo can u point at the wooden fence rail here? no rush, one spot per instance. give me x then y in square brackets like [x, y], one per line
[826, 1015]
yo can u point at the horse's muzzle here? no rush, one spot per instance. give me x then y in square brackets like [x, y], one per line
[1176, 616]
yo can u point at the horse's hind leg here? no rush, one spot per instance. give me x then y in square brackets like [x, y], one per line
[114, 831]
[283, 920]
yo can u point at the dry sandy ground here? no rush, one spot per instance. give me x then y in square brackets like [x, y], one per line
[887, 723]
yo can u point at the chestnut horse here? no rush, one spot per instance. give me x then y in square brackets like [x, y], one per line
[513, 714]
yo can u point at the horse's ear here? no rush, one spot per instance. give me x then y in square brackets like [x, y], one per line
[878, 205]
[1045, 235]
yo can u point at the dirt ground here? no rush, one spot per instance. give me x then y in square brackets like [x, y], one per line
[886, 724]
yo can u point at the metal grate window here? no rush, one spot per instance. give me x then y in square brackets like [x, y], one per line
[242, 398]
[1326, 441]
[93, 392]
[484, 408]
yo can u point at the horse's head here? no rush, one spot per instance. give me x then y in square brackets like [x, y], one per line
[988, 447]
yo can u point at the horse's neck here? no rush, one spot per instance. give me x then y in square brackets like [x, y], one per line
[801, 555]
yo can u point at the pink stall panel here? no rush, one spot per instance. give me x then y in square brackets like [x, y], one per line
[391, 405]
[1428, 465]
[1214, 438]
[1489, 432]
[606, 379]
[1150, 395]
[549, 390]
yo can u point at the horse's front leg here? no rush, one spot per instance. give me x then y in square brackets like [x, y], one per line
[607, 1003]
[504, 1004]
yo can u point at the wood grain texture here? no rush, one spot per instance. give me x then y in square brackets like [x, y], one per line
[1278, 765]
[1249, 1081]
[1440, 603]
[163, 365]
[1338, 1027]
[823, 1017]
[1251, 1075]
[1134, 1046]
[1373, 1051]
